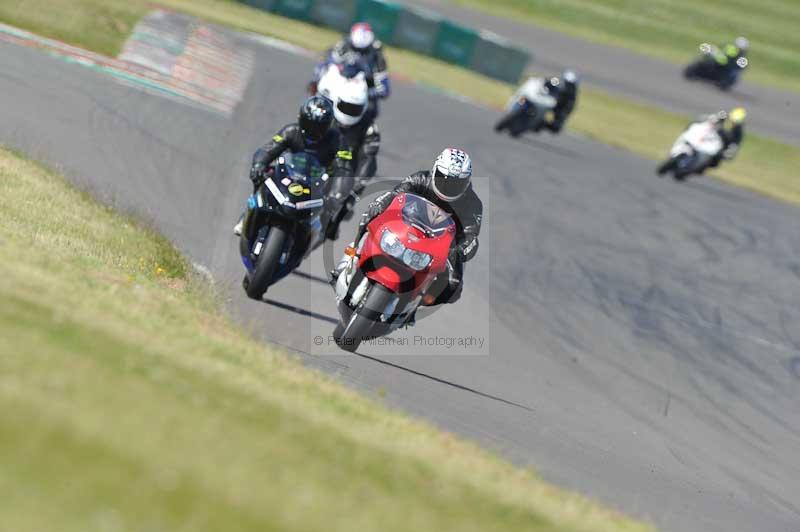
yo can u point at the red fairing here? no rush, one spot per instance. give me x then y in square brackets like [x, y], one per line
[392, 272]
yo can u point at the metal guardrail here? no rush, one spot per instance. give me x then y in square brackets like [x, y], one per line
[414, 29]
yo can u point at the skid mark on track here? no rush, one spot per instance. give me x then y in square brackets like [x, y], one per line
[447, 382]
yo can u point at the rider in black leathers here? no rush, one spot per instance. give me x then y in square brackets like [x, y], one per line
[313, 133]
[332, 151]
[566, 93]
[730, 127]
[363, 139]
[448, 186]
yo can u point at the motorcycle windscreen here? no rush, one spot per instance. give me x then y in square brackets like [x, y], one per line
[302, 178]
[425, 216]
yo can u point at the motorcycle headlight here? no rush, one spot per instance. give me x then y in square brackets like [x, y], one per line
[391, 245]
[416, 260]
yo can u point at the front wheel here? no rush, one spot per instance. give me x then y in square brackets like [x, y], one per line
[349, 337]
[509, 120]
[727, 82]
[267, 262]
[692, 71]
[665, 167]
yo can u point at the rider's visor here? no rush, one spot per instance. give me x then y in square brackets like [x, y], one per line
[449, 186]
[351, 109]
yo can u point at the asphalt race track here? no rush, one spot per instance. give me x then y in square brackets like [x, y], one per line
[635, 76]
[641, 335]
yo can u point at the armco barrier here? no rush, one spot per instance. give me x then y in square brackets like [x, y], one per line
[337, 14]
[497, 58]
[299, 9]
[455, 44]
[417, 31]
[266, 5]
[382, 16]
[414, 29]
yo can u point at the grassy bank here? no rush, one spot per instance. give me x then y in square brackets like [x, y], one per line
[765, 165]
[131, 403]
[672, 29]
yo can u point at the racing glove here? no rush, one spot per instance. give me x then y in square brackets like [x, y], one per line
[372, 141]
[258, 173]
[467, 249]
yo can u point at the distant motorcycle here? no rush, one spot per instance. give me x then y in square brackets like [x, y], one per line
[283, 222]
[708, 68]
[389, 272]
[528, 108]
[692, 151]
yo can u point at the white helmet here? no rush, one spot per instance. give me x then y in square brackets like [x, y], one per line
[451, 174]
[570, 77]
[361, 36]
[349, 96]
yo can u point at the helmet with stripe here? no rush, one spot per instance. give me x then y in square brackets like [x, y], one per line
[361, 36]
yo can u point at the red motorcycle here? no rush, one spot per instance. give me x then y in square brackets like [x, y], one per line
[389, 274]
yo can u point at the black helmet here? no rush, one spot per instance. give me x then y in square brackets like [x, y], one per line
[316, 118]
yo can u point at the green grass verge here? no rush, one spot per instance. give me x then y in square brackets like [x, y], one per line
[672, 29]
[131, 403]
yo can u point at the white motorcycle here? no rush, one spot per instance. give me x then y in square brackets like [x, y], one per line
[693, 151]
[528, 108]
[350, 99]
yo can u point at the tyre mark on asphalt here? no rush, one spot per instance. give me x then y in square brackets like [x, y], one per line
[447, 382]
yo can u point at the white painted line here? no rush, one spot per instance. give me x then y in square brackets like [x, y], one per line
[204, 271]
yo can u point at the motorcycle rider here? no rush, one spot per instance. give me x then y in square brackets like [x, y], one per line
[566, 96]
[360, 50]
[729, 54]
[448, 185]
[313, 133]
[563, 89]
[357, 126]
[730, 127]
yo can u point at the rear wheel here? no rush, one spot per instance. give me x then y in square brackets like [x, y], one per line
[349, 336]
[726, 82]
[267, 262]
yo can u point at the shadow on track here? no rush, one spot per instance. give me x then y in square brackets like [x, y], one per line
[301, 311]
[311, 277]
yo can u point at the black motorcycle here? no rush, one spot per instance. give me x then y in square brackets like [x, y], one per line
[708, 68]
[284, 220]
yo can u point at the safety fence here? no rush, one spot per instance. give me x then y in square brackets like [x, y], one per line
[414, 29]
